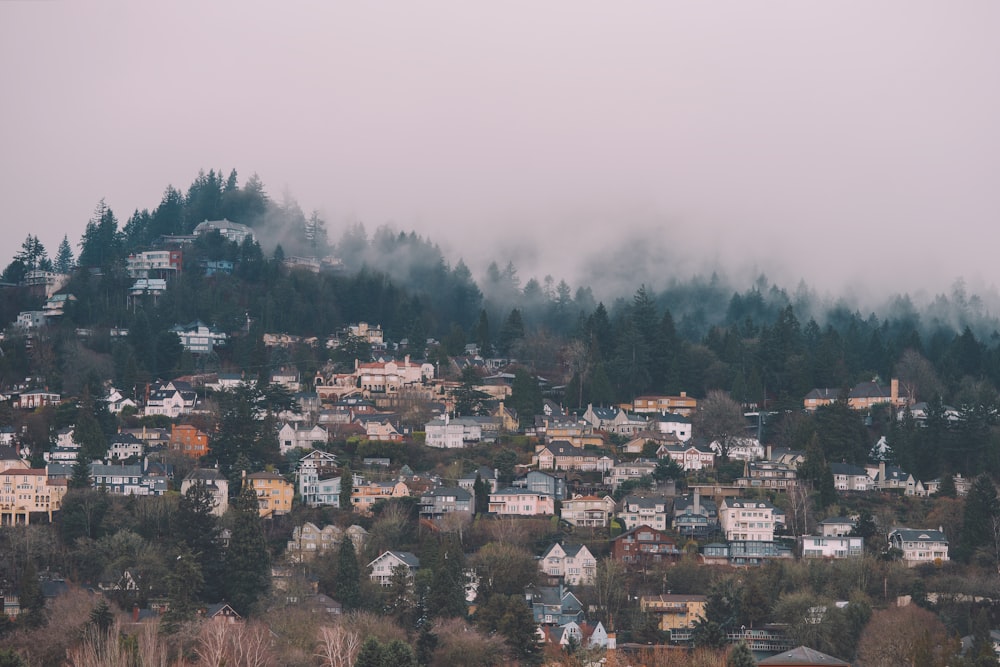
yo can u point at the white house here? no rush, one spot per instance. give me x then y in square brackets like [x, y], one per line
[381, 568]
[215, 482]
[688, 457]
[742, 519]
[676, 425]
[649, 511]
[290, 437]
[822, 546]
[920, 546]
[447, 433]
[573, 562]
[198, 337]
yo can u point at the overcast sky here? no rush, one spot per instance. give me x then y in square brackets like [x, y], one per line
[846, 143]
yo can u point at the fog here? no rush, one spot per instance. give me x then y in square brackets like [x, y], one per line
[853, 145]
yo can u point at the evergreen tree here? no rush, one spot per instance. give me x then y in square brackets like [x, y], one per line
[184, 586]
[80, 479]
[197, 529]
[947, 488]
[741, 656]
[509, 616]
[101, 617]
[31, 599]
[248, 564]
[981, 511]
[348, 586]
[64, 257]
[511, 332]
[346, 488]
[446, 595]
[481, 491]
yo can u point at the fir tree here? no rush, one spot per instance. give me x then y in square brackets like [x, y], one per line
[346, 488]
[446, 596]
[31, 599]
[481, 491]
[248, 565]
[197, 529]
[64, 257]
[348, 586]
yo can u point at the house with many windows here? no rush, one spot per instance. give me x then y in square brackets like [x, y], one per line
[588, 511]
[573, 563]
[382, 567]
[652, 511]
[198, 337]
[676, 614]
[920, 546]
[274, 493]
[822, 546]
[644, 545]
[521, 502]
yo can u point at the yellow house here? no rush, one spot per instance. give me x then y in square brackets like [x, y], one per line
[274, 494]
[27, 490]
[676, 612]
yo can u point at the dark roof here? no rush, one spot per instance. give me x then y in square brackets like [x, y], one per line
[804, 655]
[459, 493]
[847, 469]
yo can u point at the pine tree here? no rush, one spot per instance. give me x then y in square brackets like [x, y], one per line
[981, 510]
[64, 257]
[481, 491]
[184, 584]
[248, 564]
[348, 586]
[740, 656]
[197, 528]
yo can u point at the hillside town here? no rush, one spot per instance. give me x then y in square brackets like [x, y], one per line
[339, 496]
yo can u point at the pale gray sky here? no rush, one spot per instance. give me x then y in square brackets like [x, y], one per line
[847, 143]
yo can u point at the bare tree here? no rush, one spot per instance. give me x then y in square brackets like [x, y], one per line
[337, 646]
[720, 419]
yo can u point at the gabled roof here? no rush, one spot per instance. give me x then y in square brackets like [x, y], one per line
[848, 469]
[459, 493]
[407, 558]
[912, 535]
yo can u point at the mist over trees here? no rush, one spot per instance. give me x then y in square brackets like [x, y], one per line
[760, 343]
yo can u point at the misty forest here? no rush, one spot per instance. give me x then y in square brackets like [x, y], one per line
[763, 346]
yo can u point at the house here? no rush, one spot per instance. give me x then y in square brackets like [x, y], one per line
[24, 491]
[893, 478]
[363, 496]
[318, 479]
[382, 567]
[676, 614]
[695, 516]
[30, 319]
[688, 457]
[215, 482]
[631, 470]
[188, 440]
[126, 480]
[745, 519]
[748, 526]
[291, 436]
[521, 502]
[553, 605]
[37, 398]
[588, 511]
[614, 420]
[447, 433]
[863, 396]
[847, 477]
[836, 526]
[274, 493]
[822, 546]
[287, 377]
[643, 545]
[437, 502]
[221, 612]
[124, 446]
[676, 425]
[308, 540]
[683, 404]
[387, 377]
[199, 338]
[381, 429]
[117, 402]
[488, 475]
[161, 263]
[920, 546]
[551, 484]
[573, 563]
[639, 510]
[741, 449]
[767, 475]
[172, 399]
[231, 231]
[562, 455]
[578, 634]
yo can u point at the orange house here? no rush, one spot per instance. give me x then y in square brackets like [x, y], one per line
[188, 440]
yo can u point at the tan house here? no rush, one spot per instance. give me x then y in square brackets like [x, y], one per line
[588, 511]
[564, 456]
[366, 495]
[682, 405]
[674, 612]
[27, 490]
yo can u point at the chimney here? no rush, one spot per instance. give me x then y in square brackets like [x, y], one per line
[697, 500]
[684, 394]
[768, 450]
[894, 391]
[135, 613]
[881, 472]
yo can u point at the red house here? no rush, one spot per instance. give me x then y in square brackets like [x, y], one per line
[643, 544]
